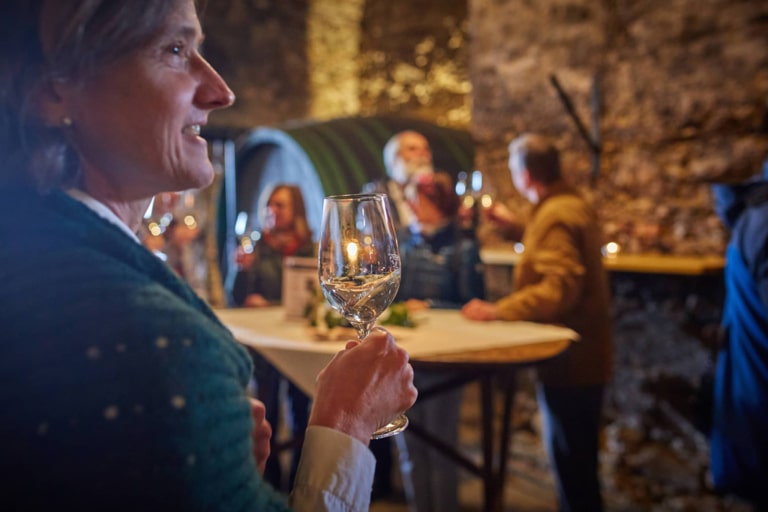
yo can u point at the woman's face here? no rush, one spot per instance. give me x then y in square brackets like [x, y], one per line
[280, 212]
[136, 125]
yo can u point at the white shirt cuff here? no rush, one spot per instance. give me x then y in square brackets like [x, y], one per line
[335, 473]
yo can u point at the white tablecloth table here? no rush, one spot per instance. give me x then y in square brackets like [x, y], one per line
[443, 341]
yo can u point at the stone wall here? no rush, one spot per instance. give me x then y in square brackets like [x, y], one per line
[682, 88]
[260, 48]
[413, 60]
[683, 92]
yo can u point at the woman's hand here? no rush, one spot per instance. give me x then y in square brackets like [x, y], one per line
[243, 259]
[364, 387]
[255, 300]
[262, 432]
[477, 309]
[415, 305]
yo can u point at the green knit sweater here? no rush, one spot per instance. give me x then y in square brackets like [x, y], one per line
[119, 388]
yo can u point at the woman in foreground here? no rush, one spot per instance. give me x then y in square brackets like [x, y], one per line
[119, 386]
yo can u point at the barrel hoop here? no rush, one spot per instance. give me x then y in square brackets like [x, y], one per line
[315, 150]
[348, 168]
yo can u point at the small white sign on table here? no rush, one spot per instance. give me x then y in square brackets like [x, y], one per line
[300, 280]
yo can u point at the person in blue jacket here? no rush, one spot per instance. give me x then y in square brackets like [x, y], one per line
[739, 432]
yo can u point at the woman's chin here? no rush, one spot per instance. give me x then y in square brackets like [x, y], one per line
[199, 177]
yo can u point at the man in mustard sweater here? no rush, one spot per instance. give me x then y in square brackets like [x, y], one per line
[560, 279]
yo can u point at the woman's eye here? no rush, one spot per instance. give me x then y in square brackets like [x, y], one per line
[178, 49]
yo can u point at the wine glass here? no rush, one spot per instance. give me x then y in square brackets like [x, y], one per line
[359, 265]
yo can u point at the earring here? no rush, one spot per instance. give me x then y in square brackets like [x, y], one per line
[66, 121]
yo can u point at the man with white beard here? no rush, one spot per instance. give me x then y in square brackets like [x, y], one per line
[406, 155]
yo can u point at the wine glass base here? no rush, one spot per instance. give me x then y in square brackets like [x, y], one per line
[392, 428]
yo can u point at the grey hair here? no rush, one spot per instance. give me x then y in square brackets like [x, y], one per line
[391, 149]
[538, 155]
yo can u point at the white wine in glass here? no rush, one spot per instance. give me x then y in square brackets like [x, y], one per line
[359, 265]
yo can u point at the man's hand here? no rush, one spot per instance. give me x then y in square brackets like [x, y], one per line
[505, 220]
[477, 309]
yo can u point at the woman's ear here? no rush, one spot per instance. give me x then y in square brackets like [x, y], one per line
[52, 110]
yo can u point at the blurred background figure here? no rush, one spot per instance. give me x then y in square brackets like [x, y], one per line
[406, 154]
[441, 268]
[258, 283]
[560, 279]
[156, 220]
[172, 229]
[738, 448]
[507, 224]
[284, 231]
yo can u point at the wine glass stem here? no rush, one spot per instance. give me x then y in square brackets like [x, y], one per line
[363, 329]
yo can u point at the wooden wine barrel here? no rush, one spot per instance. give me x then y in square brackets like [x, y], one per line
[333, 157]
[322, 157]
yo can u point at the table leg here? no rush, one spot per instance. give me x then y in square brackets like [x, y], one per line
[495, 449]
[406, 467]
[508, 385]
[488, 474]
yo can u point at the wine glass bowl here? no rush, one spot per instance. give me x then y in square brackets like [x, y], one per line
[359, 265]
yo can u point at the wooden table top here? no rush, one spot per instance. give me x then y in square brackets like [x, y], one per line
[623, 262]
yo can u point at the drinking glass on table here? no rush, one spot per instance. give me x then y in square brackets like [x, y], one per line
[359, 265]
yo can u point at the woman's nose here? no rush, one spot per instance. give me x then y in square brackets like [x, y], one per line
[212, 92]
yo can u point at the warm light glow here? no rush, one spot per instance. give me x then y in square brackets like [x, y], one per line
[486, 201]
[611, 249]
[190, 222]
[154, 229]
[246, 245]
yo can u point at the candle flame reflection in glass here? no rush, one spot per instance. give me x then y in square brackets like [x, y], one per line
[352, 251]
